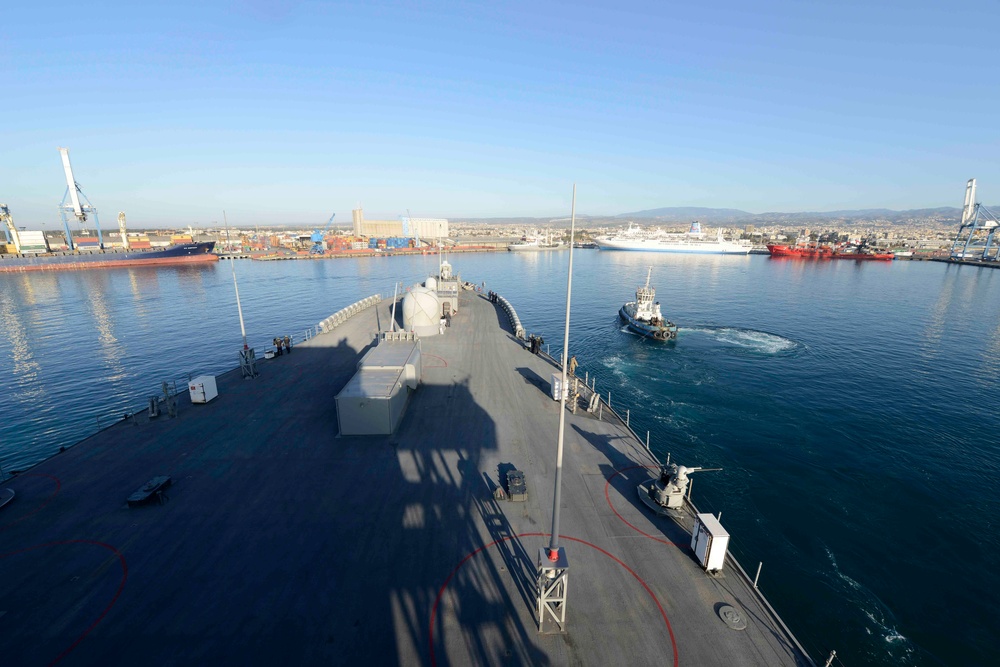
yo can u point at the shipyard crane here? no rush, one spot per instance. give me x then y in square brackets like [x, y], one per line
[121, 228]
[975, 218]
[317, 237]
[79, 209]
[412, 229]
[13, 238]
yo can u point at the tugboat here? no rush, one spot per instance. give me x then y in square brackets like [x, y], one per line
[644, 317]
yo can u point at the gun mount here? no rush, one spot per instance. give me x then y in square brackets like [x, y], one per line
[668, 491]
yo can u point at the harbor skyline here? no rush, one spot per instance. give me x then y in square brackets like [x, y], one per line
[454, 111]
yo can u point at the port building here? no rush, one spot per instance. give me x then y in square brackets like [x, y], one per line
[405, 226]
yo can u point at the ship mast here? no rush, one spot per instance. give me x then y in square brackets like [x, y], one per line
[553, 565]
[248, 358]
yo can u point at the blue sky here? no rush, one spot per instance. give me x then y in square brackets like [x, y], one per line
[287, 112]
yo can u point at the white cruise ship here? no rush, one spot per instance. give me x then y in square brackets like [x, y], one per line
[656, 240]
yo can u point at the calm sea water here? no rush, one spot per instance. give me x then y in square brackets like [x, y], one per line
[852, 406]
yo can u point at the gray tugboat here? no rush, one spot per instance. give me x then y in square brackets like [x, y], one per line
[644, 317]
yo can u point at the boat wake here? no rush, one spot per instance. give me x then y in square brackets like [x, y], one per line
[879, 615]
[751, 340]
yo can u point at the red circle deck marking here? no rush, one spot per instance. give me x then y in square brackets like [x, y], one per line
[114, 598]
[444, 586]
[44, 502]
[607, 496]
[434, 356]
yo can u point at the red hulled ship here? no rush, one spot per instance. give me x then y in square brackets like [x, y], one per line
[816, 251]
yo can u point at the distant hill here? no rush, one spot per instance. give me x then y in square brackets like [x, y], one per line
[682, 214]
[945, 214]
[689, 213]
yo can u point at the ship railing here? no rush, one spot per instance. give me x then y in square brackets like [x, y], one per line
[341, 316]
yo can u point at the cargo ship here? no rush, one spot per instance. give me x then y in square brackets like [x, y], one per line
[189, 253]
[803, 251]
[814, 251]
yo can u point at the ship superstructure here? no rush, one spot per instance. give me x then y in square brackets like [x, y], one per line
[643, 315]
[694, 241]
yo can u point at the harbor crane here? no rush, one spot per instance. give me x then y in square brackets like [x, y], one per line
[121, 229]
[79, 209]
[975, 218]
[317, 238]
[13, 238]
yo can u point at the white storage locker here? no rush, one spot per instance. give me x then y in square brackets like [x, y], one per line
[203, 389]
[709, 541]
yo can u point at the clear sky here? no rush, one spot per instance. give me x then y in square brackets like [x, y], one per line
[290, 111]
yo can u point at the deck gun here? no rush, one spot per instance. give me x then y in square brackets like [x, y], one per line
[668, 491]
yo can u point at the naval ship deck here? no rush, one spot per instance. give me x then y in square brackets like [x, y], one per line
[282, 543]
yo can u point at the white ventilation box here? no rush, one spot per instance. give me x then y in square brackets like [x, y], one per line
[555, 386]
[709, 541]
[203, 389]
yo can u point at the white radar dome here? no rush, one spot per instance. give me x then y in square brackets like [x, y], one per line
[431, 283]
[421, 311]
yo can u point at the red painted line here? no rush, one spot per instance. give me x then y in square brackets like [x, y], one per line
[607, 496]
[444, 586]
[44, 502]
[437, 357]
[114, 598]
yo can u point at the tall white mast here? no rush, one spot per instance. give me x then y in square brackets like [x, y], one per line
[553, 564]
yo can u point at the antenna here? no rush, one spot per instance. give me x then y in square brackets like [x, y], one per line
[553, 565]
[248, 360]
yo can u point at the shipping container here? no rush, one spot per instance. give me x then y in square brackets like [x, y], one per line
[33, 241]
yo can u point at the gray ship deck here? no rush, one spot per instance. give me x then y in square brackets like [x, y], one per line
[280, 542]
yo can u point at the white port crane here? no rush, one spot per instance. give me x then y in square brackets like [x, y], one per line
[975, 218]
[121, 229]
[9, 229]
[79, 209]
